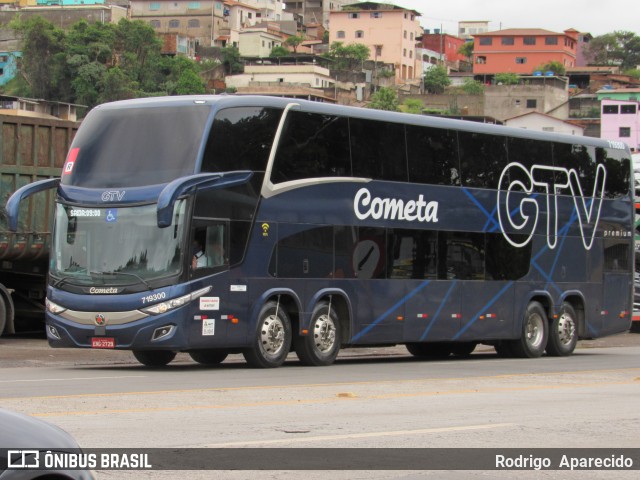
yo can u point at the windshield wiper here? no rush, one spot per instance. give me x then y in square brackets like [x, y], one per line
[138, 277]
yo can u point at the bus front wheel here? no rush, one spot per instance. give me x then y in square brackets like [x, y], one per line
[154, 358]
[321, 346]
[273, 339]
[533, 339]
[563, 332]
[208, 357]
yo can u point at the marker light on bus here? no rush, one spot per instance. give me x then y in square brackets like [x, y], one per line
[163, 307]
[53, 307]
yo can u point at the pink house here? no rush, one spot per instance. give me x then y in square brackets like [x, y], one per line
[620, 121]
[390, 32]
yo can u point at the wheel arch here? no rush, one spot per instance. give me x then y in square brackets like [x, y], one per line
[5, 293]
[288, 299]
[540, 296]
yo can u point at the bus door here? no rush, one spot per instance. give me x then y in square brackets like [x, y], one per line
[617, 284]
[208, 256]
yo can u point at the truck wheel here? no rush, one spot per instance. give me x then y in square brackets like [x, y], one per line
[533, 340]
[322, 345]
[563, 332]
[208, 357]
[154, 358]
[273, 338]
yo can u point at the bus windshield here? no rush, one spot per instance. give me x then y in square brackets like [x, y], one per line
[124, 244]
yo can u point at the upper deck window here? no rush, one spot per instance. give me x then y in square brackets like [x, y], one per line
[131, 147]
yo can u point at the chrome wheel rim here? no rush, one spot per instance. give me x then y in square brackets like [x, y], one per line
[272, 335]
[566, 329]
[324, 333]
[534, 330]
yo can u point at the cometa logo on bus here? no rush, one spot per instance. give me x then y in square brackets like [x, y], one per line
[365, 206]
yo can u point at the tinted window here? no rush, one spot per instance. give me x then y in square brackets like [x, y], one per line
[413, 254]
[462, 253]
[369, 258]
[482, 159]
[241, 139]
[527, 153]
[433, 156]
[132, 147]
[618, 167]
[312, 146]
[378, 150]
[579, 158]
[616, 255]
[305, 254]
[503, 261]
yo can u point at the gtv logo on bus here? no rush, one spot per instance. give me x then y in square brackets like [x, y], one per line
[522, 214]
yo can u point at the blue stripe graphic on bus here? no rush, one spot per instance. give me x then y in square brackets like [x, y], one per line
[437, 314]
[391, 310]
[484, 308]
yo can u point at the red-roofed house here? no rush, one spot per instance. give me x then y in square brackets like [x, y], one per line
[522, 51]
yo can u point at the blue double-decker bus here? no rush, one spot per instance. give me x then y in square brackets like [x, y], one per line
[226, 224]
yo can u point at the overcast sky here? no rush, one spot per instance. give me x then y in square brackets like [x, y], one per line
[593, 16]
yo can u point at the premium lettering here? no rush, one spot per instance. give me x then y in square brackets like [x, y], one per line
[365, 206]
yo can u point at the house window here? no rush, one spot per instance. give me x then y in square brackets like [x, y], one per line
[532, 103]
[529, 40]
[610, 109]
[154, 23]
[404, 52]
[625, 132]
[375, 14]
[521, 60]
[174, 23]
[359, 34]
[154, 6]
[193, 5]
[551, 40]
[517, 103]
[485, 40]
[354, 15]
[481, 60]
[404, 34]
[340, 34]
[628, 109]
[193, 23]
[507, 41]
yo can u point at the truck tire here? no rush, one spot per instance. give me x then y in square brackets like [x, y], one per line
[3, 315]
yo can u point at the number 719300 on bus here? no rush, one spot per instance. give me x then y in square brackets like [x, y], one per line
[226, 224]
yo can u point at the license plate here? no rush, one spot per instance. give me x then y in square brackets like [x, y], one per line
[103, 342]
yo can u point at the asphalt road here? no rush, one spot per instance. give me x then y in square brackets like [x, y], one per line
[369, 399]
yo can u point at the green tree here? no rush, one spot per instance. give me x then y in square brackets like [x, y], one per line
[472, 87]
[116, 85]
[556, 67]
[412, 105]
[294, 42]
[190, 83]
[279, 51]
[506, 78]
[436, 80]
[621, 48]
[385, 99]
[348, 57]
[633, 72]
[466, 49]
[42, 62]
[231, 59]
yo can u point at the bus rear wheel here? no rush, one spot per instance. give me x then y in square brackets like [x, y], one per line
[273, 339]
[154, 358]
[208, 357]
[533, 340]
[463, 349]
[321, 346]
[429, 350]
[563, 332]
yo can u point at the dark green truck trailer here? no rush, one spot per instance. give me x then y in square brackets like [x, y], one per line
[31, 148]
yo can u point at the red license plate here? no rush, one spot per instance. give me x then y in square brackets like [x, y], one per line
[103, 342]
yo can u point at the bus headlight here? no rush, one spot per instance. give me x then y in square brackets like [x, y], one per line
[53, 307]
[167, 305]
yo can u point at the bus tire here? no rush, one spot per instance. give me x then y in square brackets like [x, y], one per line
[463, 349]
[429, 350]
[3, 315]
[154, 358]
[563, 332]
[208, 357]
[273, 338]
[321, 346]
[533, 340]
